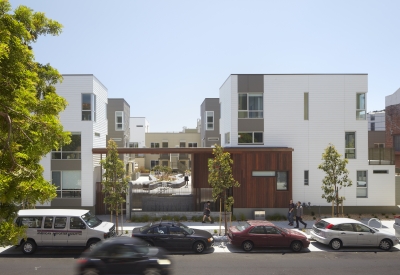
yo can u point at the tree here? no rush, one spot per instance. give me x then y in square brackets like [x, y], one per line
[29, 116]
[114, 180]
[337, 176]
[221, 179]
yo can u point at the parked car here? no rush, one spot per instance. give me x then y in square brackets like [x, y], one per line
[256, 233]
[339, 232]
[123, 255]
[174, 235]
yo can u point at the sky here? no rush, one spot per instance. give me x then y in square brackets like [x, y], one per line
[164, 57]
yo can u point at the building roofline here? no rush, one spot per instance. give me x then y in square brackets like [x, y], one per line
[87, 75]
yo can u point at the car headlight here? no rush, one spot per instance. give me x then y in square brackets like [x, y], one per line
[163, 262]
[210, 240]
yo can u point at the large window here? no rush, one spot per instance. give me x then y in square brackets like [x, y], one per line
[281, 181]
[153, 163]
[250, 106]
[210, 120]
[305, 106]
[250, 138]
[362, 184]
[155, 145]
[361, 107]
[119, 121]
[89, 107]
[350, 146]
[306, 181]
[69, 151]
[165, 144]
[68, 183]
[228, 138]
[182, 144]
[192, 144]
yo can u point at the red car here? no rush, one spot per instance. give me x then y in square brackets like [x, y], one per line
[256, 233]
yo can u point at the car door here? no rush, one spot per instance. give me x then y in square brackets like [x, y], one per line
[257, 236]
[178, 238]
[122, 259]
[77, 232]
[274, 238]
[365, 236]
[47, 232]
[161, 237]
[345, 232]
[60, 231]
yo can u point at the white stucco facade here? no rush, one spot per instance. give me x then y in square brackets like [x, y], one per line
[332, 113]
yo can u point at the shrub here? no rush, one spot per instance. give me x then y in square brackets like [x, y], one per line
[166, 218]
[183, 218]
[383, 214]
[242, 217]
[312, 213]
[144, 218]
[387, 217]
[215, 231]
[276, 217]
[175, 218]
[313, 218]
[234, 218]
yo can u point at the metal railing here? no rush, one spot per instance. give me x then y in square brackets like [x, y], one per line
[381, 156]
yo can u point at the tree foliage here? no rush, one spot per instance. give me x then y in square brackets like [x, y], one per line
[337, 176]
[115, 182]
[221, 179]
[29, 115]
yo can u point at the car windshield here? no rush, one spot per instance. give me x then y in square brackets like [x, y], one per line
[321, 224]
[144, 228]
[282, 229]
[242, 226]
[187, 229]
[91, 220]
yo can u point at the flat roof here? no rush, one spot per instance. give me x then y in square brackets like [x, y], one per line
[191, 150]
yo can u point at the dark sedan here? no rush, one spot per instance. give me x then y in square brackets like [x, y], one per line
[174, 235]
[123, 255]
[265, 234]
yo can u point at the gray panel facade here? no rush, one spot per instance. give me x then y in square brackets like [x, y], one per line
[210, 137]
[66, 165]
[251, 124]
[376, 137]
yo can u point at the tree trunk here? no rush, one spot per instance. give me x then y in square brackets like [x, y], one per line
[226, 225]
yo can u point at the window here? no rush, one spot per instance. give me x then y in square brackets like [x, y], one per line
[381, 171]
[350, 147]
[182, 144]
[361, 107]
[192, 144]
[48, 222]
[362, 184]
[213, 139]
[31, 222]
[209, 120]
[263, 173]
[76, 223]
[153, 163]
[175, 231]
[88, 107]
[306, 177]
[305, 106]
[281, 181]
[155, 145]
[257, 230]
[271, 230]
[139, 125]
[68, 183]
[69, 151]
[119, 121]
[165, 144]
[227, 138]
[379, 145]
[251, 138]
[134, 144]
[250, 106]
[372, 117]
[396, 143]
[60, 222]
[372, 126]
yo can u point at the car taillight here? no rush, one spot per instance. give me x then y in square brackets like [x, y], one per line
[81, 261]
[329, 226]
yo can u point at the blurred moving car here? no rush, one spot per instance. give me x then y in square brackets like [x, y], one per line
[339, 232]
[123, 255]
[174, 235]
[256, 233]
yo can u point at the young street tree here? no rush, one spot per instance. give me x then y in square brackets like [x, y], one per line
[221, 179]
[337, 176]
[29, 115]
[114, 180]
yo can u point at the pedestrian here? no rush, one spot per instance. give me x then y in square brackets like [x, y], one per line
[206, 212]
[290, 212]
[299, 215]
[186, 180]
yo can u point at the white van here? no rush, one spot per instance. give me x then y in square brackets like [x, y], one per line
[62, 227]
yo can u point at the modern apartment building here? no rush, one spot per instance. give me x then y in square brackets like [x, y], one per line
[73, 168]
[304, 112]
[209, 130]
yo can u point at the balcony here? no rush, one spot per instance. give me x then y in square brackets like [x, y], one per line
[164, 156]
[381, 156]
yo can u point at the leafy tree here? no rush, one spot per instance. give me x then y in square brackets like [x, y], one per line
[166, 171]
[114, 180]
[221, 179]
[29, 115]
[337, 176]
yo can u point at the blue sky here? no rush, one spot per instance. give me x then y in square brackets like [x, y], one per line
[164, 56]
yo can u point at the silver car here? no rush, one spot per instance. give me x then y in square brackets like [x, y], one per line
[338, 232]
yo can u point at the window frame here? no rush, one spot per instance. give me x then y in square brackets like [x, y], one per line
[361, 106]
[306, 177]
[306, 106]
[90, 113]
[154, 145]
[190, 144]
[246, 111]
[347, 150]
[286, 183]
[358, 186]
[252, 138]
[61, 190]
[66, 154]
[119, 114]
[209, 125]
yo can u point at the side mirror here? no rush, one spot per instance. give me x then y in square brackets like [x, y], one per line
[372, 231]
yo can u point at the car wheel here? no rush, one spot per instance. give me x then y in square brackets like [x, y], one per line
[247, 246]
[91, 244]
[296, 246]
[152, 271]
[385, 244]
[29, 247]
[90, 271]
[336, 244]
[198, 247]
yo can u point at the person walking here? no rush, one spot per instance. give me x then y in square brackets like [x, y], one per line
[206, 212]
[299, 215]
[186, 180]
[290, 212]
